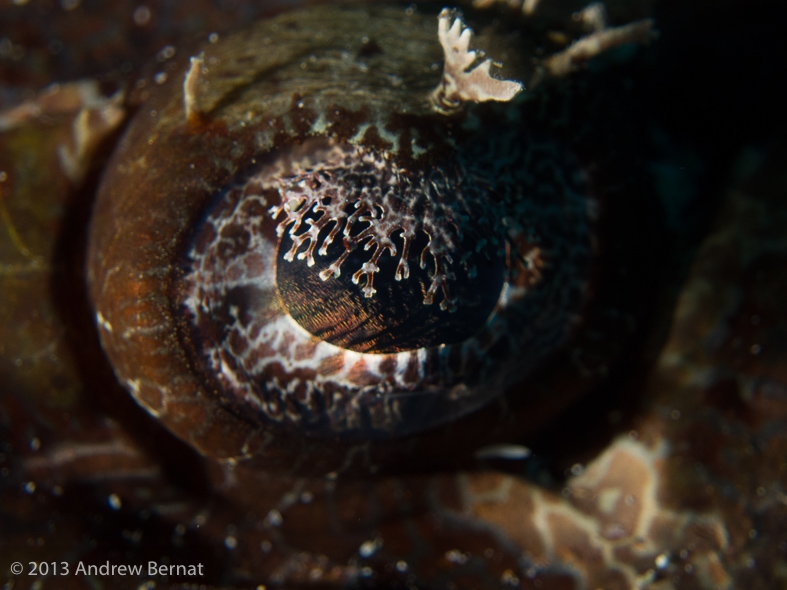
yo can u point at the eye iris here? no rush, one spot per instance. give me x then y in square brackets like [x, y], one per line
[377, 259]
[249, 294]
[292, 281]
[209, 270]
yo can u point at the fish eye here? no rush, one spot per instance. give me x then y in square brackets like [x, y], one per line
[280, 249]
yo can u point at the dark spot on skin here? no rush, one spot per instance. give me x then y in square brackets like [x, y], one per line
[370, 48]
[345, 123]
[372, 138]
[725, 395]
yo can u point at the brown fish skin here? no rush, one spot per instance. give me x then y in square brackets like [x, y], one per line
[685, 489]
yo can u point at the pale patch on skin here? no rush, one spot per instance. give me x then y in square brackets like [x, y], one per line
[608, 499]
[584, 49]
[712, 573]
[611, 509]
[56, 99]
[460, 83]
[191, 106]
[89, 128]
[593, 17]
[97, 116]
[75, 457]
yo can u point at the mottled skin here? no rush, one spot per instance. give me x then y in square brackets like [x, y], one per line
[684, 476]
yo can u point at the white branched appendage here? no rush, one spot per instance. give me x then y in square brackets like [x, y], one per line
[461, 84]
[604, 39]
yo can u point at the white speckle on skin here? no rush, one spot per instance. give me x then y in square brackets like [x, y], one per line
[167, 52]
[141, 15]
[369, 548]
[662, 560]
[114, 501]
[608, 500]
[274, 518]
[509, 578]
[455, 556]
[103, 323]
[508, 452]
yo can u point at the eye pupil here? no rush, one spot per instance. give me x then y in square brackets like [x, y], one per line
[375, 258]
[396, 318]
